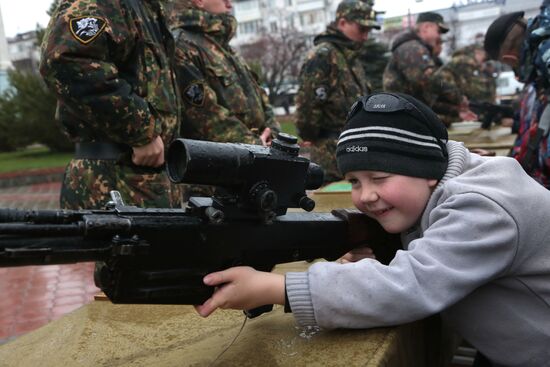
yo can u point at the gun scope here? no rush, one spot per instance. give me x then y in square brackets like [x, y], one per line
[247, 169]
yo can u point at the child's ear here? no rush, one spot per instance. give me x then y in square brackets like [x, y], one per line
[432, 183]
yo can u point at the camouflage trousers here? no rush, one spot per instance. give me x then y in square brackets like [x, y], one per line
[88, 182]
[323, 152]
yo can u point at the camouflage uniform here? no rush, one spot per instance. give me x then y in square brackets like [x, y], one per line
[410, 68]
[223, 100]
[374, 59]
[109, 64]
[461, 76]
[331, 80]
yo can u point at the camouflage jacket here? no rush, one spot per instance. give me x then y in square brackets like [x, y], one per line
[223, 100]
[410, 68]
[462, 76]
[108, 62]
[331, 80]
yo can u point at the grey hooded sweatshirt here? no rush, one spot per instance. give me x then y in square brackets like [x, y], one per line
[480, 255]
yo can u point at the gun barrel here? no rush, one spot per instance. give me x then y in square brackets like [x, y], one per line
[51, 216]
[41, 230]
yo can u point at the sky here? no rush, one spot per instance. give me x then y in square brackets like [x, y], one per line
[22, 15]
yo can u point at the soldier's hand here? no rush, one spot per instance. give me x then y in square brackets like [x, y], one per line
[464, 105]
[266, 137]
[467, 115]
[149, 155]
[506, 122]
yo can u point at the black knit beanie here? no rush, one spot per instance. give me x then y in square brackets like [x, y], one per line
[394, 133]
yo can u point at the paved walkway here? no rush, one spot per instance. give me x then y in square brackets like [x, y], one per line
[32, 296]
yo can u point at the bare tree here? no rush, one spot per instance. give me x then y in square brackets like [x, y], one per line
[277, 57]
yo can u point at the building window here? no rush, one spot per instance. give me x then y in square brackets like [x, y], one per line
[310, 18]
[250, 27]
[246, 5]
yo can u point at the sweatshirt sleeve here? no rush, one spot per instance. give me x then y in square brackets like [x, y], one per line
[469, 241]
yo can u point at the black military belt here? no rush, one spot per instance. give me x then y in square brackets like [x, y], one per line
[100, 150]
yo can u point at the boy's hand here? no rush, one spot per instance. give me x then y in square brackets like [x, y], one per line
[242, 288]
[356, 255]
[365, 231]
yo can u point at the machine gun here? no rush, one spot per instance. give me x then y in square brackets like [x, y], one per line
[159, 256]
[491, 112]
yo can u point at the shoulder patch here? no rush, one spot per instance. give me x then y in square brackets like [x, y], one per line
[86, 29]
[194, 93]
[321, 93]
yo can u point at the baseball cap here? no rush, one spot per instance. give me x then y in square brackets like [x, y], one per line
[358, 12]
[433, 18]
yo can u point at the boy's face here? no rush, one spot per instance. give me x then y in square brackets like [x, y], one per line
[395, 201]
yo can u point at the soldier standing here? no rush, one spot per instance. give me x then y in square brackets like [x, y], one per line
[414, 61]
[331, 79]
[108, 62]
[223, 99]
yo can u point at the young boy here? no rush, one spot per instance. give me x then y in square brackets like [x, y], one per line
[475, 230]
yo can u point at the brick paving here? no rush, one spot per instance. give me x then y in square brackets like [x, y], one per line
[32, 296]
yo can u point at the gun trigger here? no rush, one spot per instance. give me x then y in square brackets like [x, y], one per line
[255, 312]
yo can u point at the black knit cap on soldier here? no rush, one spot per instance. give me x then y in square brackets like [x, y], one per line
[433, 18]
[497, 32]
[394, 133]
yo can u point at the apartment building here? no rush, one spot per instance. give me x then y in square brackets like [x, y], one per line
[24, 51]
[467, 18]
[5, 63]
[263, 16]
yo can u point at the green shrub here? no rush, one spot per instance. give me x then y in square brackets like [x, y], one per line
[28, 114]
